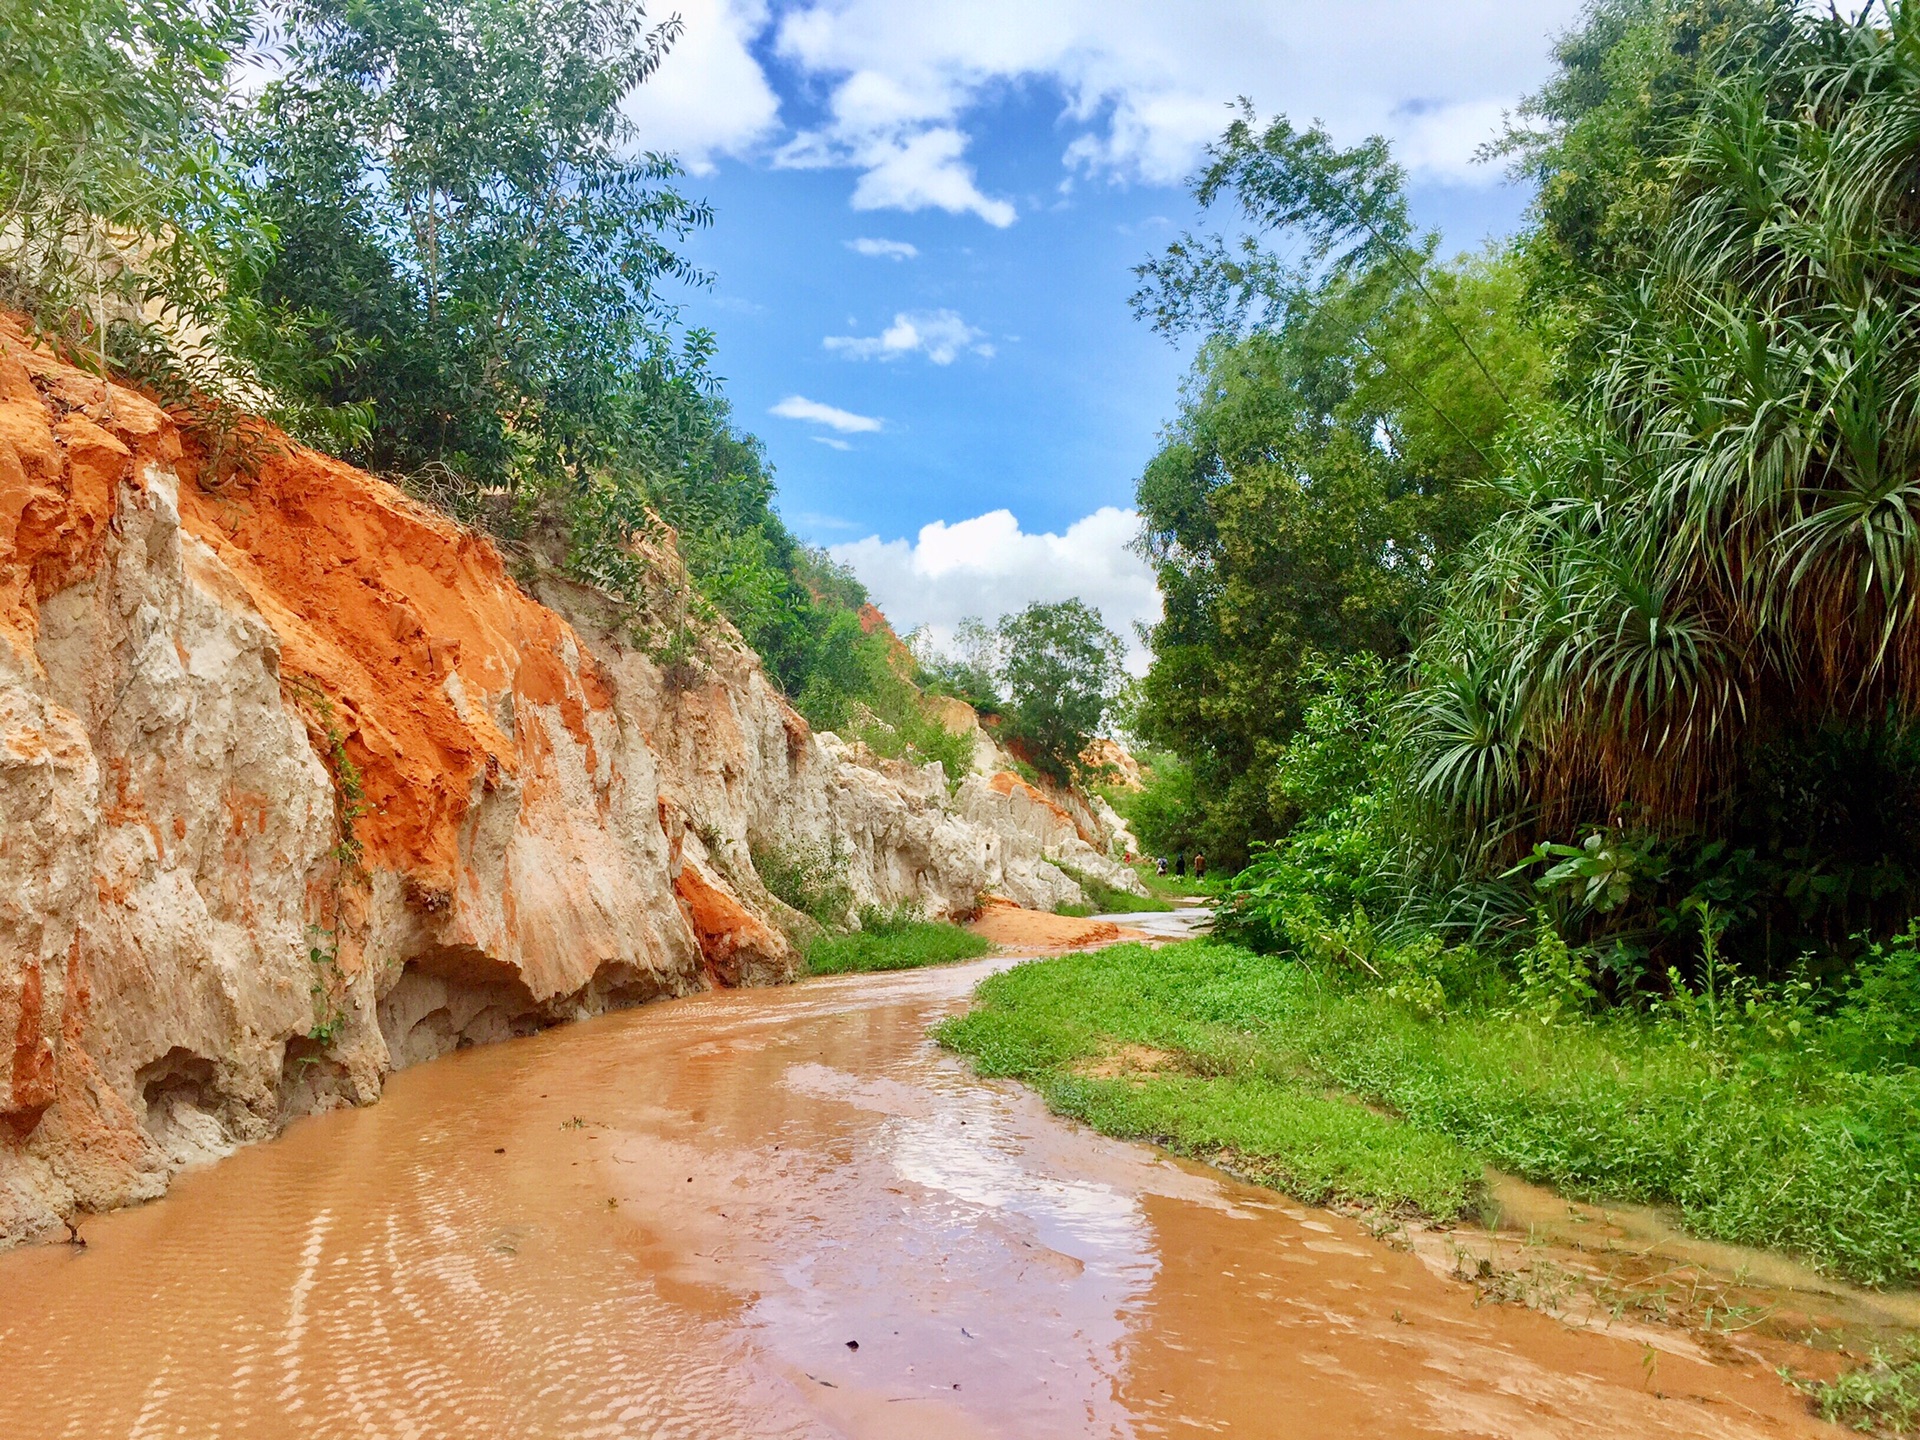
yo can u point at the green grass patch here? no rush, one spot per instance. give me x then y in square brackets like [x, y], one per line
[1177, 890]
[1281, 1133]
[1764, 1146]
[887, 943]
[1107, 899]
[1047, 1023]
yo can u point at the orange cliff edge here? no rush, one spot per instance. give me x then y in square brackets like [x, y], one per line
[298, 786]
[198, 686]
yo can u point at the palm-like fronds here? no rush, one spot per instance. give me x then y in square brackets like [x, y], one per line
[1725, 539]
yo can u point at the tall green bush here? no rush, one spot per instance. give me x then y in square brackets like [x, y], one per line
[115, 193]
[1695, 621]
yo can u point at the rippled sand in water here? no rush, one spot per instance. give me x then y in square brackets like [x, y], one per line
[672, 1222]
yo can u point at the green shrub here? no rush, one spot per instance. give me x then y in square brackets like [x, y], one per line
[811, 878]
[913, 734]
[897, 920]
[856, 692]
[1881, 1397]
[1554, 982]
[1105, 899]
[1878, 1019]
[1161, 811]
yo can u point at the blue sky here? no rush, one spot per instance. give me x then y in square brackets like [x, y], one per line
[926, 217]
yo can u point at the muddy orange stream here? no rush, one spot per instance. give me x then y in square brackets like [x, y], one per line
[682, 1220]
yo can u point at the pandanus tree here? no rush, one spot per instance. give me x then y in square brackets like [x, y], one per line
[1712, 558]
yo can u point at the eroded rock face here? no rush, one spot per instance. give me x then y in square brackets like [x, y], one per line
[298, 787]
[162, 815]
[744, 771]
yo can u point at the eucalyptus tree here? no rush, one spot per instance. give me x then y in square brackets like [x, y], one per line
[123, 226]
[463, 204]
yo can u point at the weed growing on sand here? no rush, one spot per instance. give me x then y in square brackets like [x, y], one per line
[348, 783]
[1882, 1397]
[323, 943]
[348, 849]
[329, 1013]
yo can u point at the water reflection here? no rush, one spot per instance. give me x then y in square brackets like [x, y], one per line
[776, 1214]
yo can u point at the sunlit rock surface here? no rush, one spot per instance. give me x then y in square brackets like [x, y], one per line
[298, 787]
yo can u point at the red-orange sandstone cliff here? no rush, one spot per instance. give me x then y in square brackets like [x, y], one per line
[298, 786]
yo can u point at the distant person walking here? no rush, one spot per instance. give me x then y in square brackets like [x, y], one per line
[1160, 867]
[1199, 866]
[1180, 863]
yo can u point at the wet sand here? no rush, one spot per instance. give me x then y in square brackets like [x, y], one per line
[682, 1220]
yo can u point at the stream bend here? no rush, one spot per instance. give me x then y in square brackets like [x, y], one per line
[781, 1213]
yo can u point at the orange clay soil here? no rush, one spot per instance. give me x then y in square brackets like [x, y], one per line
[1012, 927]
[66, 442]
[404, 641]
[411, 628]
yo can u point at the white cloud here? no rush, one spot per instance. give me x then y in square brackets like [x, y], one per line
[709, 97]
[1441, 139]
[988, 566]
[831, 443]
[901, 169]
[883, 249]
[798, 407]
[941, 335]
[919, 171]
[1145, 84]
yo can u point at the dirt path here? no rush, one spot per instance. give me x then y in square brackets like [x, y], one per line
[682, 1220]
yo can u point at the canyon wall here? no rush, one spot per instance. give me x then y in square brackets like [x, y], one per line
[298, 786]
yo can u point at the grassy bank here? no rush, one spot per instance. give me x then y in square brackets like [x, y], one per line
[1105, 899]
[1212, 1050]
[1881, 1397]
[888, 943]
[1176, 890]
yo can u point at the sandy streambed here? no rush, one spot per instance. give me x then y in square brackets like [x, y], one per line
[783, 1213]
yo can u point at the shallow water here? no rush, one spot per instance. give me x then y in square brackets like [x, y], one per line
[1181, 924]
[674, 1221]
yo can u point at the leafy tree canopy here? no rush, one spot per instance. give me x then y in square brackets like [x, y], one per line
[1330, 453]
[458, 194]
[1695, 622]
[1060, 668]
[127, 235]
